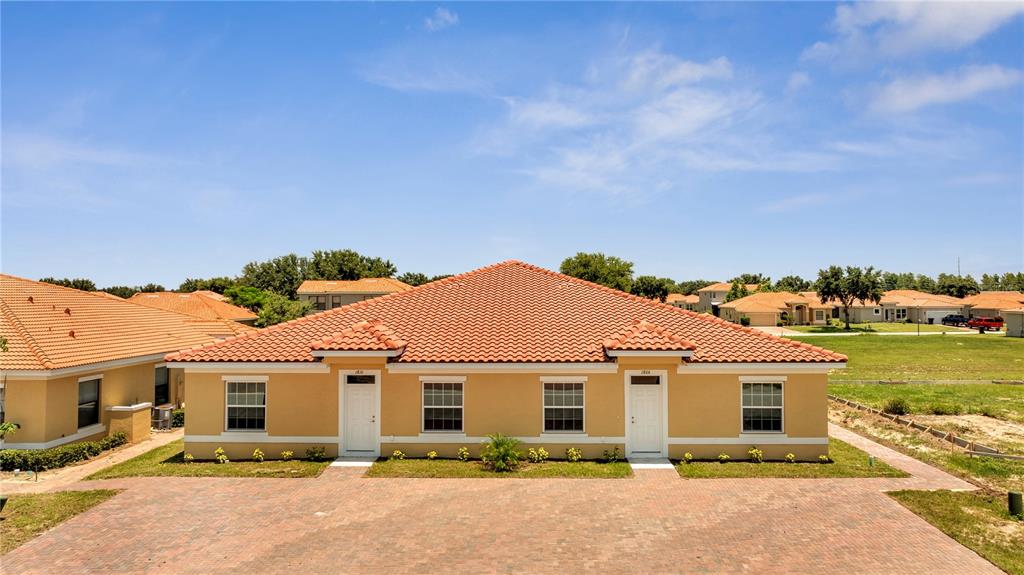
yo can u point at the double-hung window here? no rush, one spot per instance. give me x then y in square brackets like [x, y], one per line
[161, 387]
[246, 406]
[88, 402]
[901, 314]
[762, 407]
[563, 407]
[320, 302]
[442, 405]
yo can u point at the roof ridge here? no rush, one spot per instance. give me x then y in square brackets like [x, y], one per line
[33, 346]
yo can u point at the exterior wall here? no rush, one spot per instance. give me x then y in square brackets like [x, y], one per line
[1014, 325]
[345, 298]
[983, 312]
[706, 297]
[921, 315]
[756, 318]
[703, 413]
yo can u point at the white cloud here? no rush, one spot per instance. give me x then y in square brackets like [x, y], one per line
[441, 18]
[914, 92]
[797, 81]
[894, 29]
[546, 114]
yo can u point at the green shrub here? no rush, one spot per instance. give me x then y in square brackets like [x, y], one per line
[824, 459]
[396, 455]
[501, 453]
[257, 455]
[687, 457]
[316, 453]
[988, 411]
[573, 454]
[613, 455]
[723, 457]
[220, 456]
[60, 456]
[539, 455]
[463, 453]
[178, 418]
[287, 455]
[744, 321]
[431, 455]
[945, 409]
[896, 406]
[790, 458]
[756, 455]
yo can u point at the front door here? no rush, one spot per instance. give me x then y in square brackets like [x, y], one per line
[645, 425]
[361, 414]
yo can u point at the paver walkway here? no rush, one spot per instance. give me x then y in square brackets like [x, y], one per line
[66, 476]
[653, 523]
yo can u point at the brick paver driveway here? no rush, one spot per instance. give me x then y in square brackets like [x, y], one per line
[344, 523]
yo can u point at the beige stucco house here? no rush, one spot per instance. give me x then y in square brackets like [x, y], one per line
[778, 308]
[712, 296]
[514, 349]
[991, 303]
[79, 365]
[1014, 322]
[329, 294]
[681, 301]
[906, 306]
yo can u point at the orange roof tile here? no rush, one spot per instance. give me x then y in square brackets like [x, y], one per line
[768, 302]
[726, 286]
[645, 336]
[52, 327]
[995, 299]
[364, 285]
[194, 304]
[362, 336]
[211, 294]
[680, 298]
[510, 312]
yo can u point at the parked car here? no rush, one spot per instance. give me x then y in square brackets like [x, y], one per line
[985, 323]
[956, 320]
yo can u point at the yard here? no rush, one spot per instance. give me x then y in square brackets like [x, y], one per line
[876, 327]
[455, 468]
[168, 460]
[994, 400]
[847, 461]
[933, 357]
[28, 515]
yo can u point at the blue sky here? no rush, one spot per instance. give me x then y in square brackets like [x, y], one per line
[151, 142]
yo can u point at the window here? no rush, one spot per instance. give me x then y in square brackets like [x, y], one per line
[901, 314]
[319, 302]
[3, 390]
[563, 407]
[762, 407]
[819, 315]
[247, 406]
[88, 402]
[442, 406]
[877, 311]
[335, 301]
[162, 388]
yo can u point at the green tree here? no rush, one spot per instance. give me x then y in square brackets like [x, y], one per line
[751, 279]
[151, 288]
[690, 287]
[281, 275]
[923, 283]
[793, 284]
[347, 265]
[650, 287]
[846, 287]
[122, 291]
[598, 268]
[1012, 282]
[247, 297]
[440, 277]
[277, 308]
[218, 284]
[76, 283]
[737, 290]
[956, 286]
[413, 278]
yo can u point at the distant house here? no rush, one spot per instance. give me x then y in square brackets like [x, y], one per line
[906, 306]
[197, 304]
[775, 308]
[81, 365]
[329, 294]
[679, 300]
[991, 303]
[1014, 319]
[712, 296]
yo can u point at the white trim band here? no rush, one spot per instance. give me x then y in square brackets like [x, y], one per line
[767, 367]
[545, 438]
[258, 366]
[260, 437]
[750, 439]
[348, 353]
[442, 379]
[52, 373]
[245, 378]
[82, 433]
[640, 353]
[589, 367]
[135, 407]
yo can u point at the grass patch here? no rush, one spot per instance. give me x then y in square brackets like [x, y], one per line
[875, 327]
[455, 468]
[30, 514]
[847, 461]
[900, 358]
[978, 521]
[1001, 401]
[167, 461]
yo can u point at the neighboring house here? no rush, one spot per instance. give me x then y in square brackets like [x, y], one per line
[196, 304]
[80, 365]
[905, 306]
[681, 301]
[515, 349]
[712, 296]
[1014, 322]
[991, 303]
[778, 308]
[329, 294]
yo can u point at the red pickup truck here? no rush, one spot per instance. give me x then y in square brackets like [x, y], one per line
[985, 323]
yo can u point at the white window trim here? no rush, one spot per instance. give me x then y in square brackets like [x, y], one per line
[782, 408]
[246, 379]
[99, 400]
[461, 380]
[877, 311]
[544, 407]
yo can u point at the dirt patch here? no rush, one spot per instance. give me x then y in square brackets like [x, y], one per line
[1003, 435]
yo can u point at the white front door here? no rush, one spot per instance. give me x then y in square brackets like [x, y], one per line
[645, 425]
[361, 414]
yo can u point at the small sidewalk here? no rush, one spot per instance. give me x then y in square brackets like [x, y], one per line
[66, 476]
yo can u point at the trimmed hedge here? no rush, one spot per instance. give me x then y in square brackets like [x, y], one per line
[60, 456]
[178, 418]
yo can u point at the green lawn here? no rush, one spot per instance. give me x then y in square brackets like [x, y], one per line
[168, 460]
[847, 461]
[1000, 401]
[28, 515]
[455, 468]
[900, 358]
[977, 520]
[889, 327]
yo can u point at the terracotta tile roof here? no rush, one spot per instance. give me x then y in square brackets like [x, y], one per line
[365, 285]
[768, 302]
[362, 336]
[194, 304]
[211, 294]
[726, 286]
[511, 312]
[995, 300]
[680, 298]
[107, 294]
[53, 327]
[645, 336]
